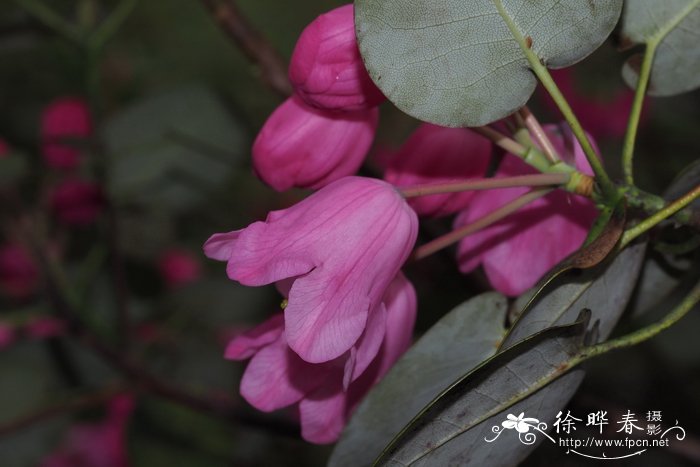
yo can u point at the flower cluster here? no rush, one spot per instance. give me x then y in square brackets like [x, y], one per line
[325, 130]
[336, 257]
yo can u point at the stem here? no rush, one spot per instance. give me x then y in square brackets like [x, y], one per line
[530, 155]
[50, 19]
[648, 332]
[636, 113]
[536, 130]
[458, 234]
[112, 24]
[660, 216]
[642, 85]
[609, 189]
[254, 45]
[487, 184]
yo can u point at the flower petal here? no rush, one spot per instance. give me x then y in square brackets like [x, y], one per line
[367, 346]
[276, 377]
[246, 344]
[323, 414]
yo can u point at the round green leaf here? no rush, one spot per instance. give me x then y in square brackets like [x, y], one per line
[674, 26]
[459, 63]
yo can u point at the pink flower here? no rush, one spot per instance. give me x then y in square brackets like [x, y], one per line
[335, 253]
[19, 275]
[4, 148]
[519, 250]
[326, 69]
[436, 154]
[64, 124]
[45, 327]
[7, 335]
[300, 146]
[179, 267]
[77, 202]
[326, 393]
[101, 444]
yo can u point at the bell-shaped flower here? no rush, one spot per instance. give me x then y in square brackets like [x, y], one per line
[435, 154]
[519, 250]
[65, 124]
[326, 393]
[326, 69]
[335, 252]
[300, 146]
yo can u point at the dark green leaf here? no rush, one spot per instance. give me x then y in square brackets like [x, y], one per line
[460, 341]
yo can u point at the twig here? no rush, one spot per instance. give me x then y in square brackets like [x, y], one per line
[47, 413]
[252, 43]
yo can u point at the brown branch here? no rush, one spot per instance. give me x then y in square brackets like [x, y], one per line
[74, 405]
[252, 43]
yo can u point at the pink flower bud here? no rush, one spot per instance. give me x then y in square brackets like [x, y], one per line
[436, 154]
[326, 69]
[19, 275]
[334, 254]
[45, 327]
[65, 123]
[179, 267]
[77, 202]
[519, 250]
[7, 335]
[303, 147]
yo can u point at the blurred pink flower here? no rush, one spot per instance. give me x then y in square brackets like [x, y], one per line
[64, 123]
[4, 148]
[179, 267]
[335, 253]
[603, 118]
[520, 249]
[300, 146]
[19, 275]
[77, 202]
[326, 69]
[436, 154]
[7, 335]
[101, 444]
[327, 392]
[45, 327]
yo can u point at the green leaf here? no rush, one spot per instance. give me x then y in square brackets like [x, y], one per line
[672, 27]
[454, 428]
[171, 149]
[462, 62]
[460, 341]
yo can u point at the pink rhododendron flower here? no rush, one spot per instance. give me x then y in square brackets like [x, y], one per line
[45, 327]
[300, 146]
[335, 253]
[436, 154]
[101, 444]
[64, 123]
[520, 249]
[7, 335]
[326, 69]
[77, 202]
[179, 267]
[325, 393]
[19, 275]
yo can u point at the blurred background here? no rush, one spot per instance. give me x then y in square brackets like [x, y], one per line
[113, 324]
